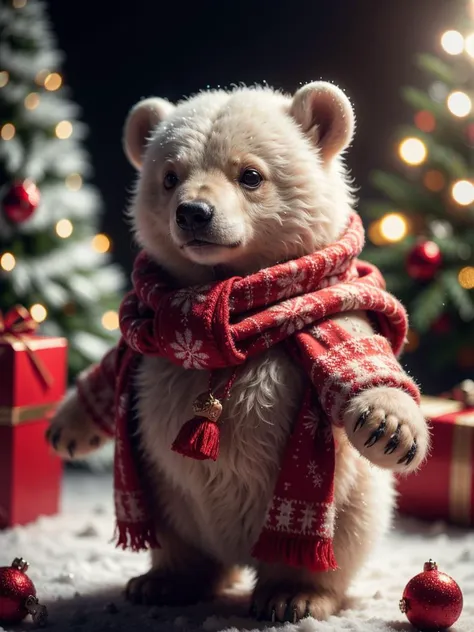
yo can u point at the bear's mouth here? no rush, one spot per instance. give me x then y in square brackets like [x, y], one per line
[203, 243]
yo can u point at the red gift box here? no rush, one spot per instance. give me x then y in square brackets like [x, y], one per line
[443, 488]
[32, 380]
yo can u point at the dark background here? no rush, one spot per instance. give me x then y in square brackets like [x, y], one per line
[115, 56]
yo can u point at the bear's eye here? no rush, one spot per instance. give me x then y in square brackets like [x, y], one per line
[251, 179]
[170, 180]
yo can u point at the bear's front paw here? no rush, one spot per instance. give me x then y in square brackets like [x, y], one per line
[72, 433]
[388, 428]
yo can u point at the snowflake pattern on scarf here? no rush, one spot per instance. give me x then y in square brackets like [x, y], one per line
[293, 315]
[187, 297]
[291, 285]
[313, 474]
[188, 350]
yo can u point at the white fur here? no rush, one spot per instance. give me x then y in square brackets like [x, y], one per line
[211, 513]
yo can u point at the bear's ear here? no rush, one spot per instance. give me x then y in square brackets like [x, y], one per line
[325, 114]
[141, 121]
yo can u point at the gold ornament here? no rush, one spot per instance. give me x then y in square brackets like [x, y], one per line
[207, 406]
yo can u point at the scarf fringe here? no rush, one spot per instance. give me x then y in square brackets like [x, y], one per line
[316, 555]
[136, 537]
[198, 439]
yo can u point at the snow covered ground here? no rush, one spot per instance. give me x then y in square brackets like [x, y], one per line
[79, 574]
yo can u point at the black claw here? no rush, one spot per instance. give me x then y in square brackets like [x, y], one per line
[95, 441]
[393, 442]
[274, 614]
[71, 448]
[376, 435]
[410, 455]
[307, 613]
[55, 437]
[253, 611]
[362, 419]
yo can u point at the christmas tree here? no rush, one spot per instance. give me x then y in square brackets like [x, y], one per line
[422, 218]
[53, 260]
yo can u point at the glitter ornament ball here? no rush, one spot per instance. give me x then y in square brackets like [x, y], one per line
[18, 595]
[423, 261]
[20, 201]
[432, 600]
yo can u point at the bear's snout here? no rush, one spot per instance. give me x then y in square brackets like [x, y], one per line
[194, 216]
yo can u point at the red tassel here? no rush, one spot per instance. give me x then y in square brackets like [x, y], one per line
[198, 439]
[315, 555]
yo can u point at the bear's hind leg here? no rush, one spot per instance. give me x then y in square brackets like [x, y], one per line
[284, 593]
[180, 575]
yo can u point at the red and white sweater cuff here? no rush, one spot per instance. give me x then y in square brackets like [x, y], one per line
[344, 369]
[96, 389]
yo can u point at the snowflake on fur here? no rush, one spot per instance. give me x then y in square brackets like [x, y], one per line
[293, 315]
[291, 284]
[313, 474]
[186, 297]
[189, 351]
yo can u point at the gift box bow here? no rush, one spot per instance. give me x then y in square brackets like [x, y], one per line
[18, 325]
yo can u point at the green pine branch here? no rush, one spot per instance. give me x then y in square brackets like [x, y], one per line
[428, 305]
[419, 100]
[406, 195]
[435, 67]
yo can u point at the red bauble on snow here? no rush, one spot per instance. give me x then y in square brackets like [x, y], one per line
[18, 595]
[432, 600]
[423, 261]
[20, 201]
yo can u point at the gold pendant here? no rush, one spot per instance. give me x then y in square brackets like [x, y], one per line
[207, 406]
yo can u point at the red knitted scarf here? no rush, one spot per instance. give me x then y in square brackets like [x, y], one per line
[221, 325]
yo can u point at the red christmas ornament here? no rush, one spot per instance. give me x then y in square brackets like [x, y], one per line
[20, 201]
[423, 261]
[432, 600]
[18, 595]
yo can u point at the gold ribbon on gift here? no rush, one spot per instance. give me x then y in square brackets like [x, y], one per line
[15, 415]
[460, 485]
[16, 325]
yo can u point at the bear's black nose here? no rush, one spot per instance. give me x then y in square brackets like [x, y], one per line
[194, 215]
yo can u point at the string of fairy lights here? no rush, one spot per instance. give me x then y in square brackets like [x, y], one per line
[51, 81]
[395, 226]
